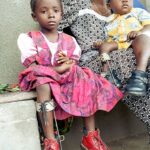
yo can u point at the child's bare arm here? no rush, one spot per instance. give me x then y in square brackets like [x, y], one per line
[145, 30]
[65, 63]
[133, 34]
[62, 68]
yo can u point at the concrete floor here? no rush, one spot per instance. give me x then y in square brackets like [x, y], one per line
[139, 142]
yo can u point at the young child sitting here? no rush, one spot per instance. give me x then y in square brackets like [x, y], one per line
[51, 58]
[129, 27]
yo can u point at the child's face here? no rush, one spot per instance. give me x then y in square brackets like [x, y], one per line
[121, 6]
[48, 13]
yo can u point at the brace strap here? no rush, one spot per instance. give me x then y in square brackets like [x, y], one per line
[104, 57]
[46, 106]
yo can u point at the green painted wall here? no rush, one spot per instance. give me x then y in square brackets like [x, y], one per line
[15, 18]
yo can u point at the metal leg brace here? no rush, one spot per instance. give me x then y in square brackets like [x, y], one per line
[104, 57]
[45, 107]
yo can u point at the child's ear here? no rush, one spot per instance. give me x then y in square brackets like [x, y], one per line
[34, 16]
[108, 6]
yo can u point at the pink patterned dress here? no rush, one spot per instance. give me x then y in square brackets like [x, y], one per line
[77, 92]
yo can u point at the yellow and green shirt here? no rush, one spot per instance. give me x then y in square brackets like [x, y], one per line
[120, 25]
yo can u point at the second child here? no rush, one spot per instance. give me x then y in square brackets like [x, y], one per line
[129, 27]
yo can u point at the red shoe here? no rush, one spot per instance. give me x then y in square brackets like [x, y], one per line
[93, 141]
[51, 144]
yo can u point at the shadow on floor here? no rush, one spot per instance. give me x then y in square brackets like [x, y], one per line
[139, 142]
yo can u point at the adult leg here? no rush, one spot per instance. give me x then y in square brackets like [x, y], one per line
[91, 138]
[45, 108]
[137, 85]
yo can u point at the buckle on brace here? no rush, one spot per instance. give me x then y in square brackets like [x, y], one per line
[47, 105]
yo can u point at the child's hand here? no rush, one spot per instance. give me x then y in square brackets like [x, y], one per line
[64, 66]
[62, 58]
[132, 35]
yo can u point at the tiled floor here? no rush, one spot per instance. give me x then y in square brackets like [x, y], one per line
[139, 142]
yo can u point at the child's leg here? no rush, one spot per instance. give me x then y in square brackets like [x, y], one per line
[89, 123]
[44, 94]
[91, 139]
[45, 113]
[107, 72]
[137, 85]
[105, 59]
[104, 69]
[141, 49]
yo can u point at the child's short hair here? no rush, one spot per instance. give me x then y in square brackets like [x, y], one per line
[107, 1]
[33, 4]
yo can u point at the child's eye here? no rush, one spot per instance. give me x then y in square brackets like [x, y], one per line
[43, 11]
[56, 10]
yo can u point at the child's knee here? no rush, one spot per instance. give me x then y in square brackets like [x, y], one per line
[43, 93]
[43, 88]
